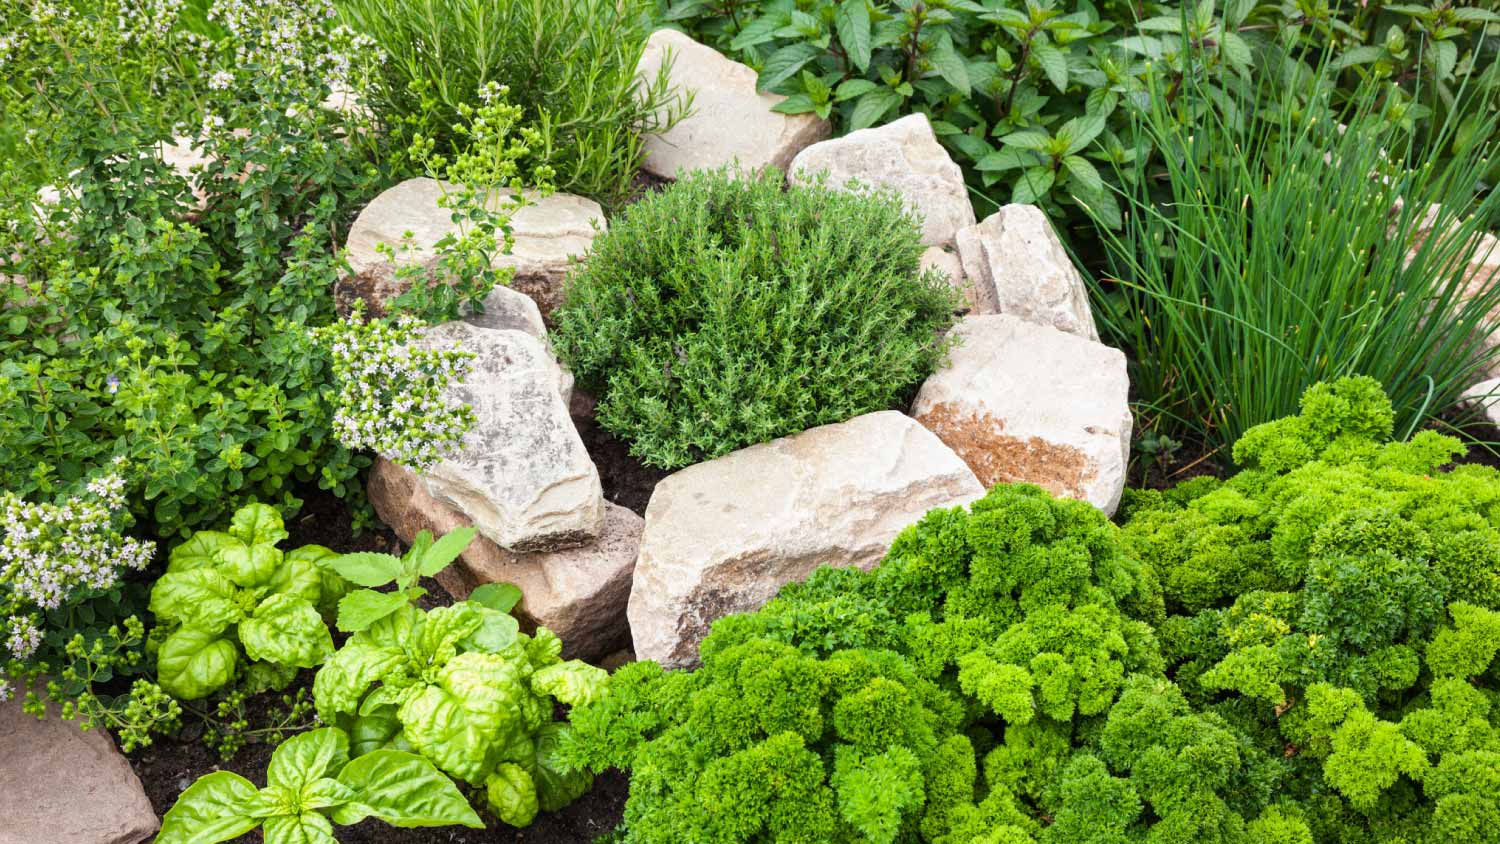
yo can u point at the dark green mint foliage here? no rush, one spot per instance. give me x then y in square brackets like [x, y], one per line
[726, 311]
[1301, 654]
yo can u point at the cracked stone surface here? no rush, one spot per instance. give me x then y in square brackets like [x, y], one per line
[61, 784]
[723, 536]
[1018, 266]
[731, 123]
[903, 156]
[1021, 402]
[578, 593]
[551, 234]
[522, 474]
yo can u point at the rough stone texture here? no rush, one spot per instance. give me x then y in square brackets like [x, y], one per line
[1024, 402]
[1018, 266]
[1484, 397]
[730, 121]
[904, 157]
[522, 474]
[577, 593]
[723, 536]
[550, 235]
[508, 310]
[936, 257]
[61, 784]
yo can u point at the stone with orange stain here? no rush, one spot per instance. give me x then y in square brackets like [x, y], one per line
[1021, 402]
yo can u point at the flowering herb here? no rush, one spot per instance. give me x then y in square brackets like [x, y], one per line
[392, 390]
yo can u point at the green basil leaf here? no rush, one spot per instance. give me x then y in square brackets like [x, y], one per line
[199, 597]
[373, 731]
[306, 828]
[250, 566]
[404, 790]
[363, 607]
[300, 575]
[307, 757]
[199, 551]
[573, 682]
[446, 550]
[501, 597]
[557, 783]
[366, 568]
[443, 628]
[457, 720]
[325, 793]
[257, 524]
[497, 631]
[344, 678]
[194, 663]
[209, 811]
[287, 630]
[512, 795]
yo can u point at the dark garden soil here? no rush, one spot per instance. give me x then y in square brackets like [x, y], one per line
[627, 482]
[172, 764]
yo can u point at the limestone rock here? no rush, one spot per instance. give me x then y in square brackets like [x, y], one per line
[550, 234]
[730, 121]
[507, 310]
[1018, 266]
[904, 157]
[522, 474]
[1480, 263]
[577, 593]
[1025, 402]
[59, 783]
[723, 536]
[1484, 397]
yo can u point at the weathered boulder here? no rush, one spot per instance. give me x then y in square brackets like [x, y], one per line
[723, 536]
[59, 783]
[508, 310]
[904, 157]
[730, 122]
[578, 593]
[550, 234]
[1485, 398]
[522, 474]
[1478, 261]
[1025, 402]
[1018, 266]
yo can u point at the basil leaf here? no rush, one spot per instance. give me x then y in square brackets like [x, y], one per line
[502, 597]
[199, 551]
[347, 675]
[287, 630]
[512, 795]
[574, 683]
[308, 757]
[306, 828]
[200, 597]
[446, 550]
[366, 569]
[257, 524]
[363, 607]
[404, 790]
[209, 811]
[194, 663]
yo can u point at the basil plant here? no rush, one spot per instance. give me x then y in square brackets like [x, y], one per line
[463, 687]
[311, 784]
[234, 605]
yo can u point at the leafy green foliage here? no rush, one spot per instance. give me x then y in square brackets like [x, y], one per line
[1032, 97]
[232, 595]
[724, 311]
[1226, 289]
[1301, 653]
[461, 687]
[425, 558]
[569, 64]
[311, 784]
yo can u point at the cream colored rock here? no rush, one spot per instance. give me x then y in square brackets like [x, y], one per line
[522, 474]
[903, 157]
[577, 593]
[551, 234]
[1021, 402]
[506, 309]
[61, 784]
[1485, 398]
[1018, 266]
[730, 122]
[1478, 261]
[723, 536]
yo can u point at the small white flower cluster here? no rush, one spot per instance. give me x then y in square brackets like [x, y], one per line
[50, 551]
[25, 637]
[297, 39]
[393, 393]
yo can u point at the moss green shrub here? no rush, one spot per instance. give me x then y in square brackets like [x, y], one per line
[1301, 653]
[724, 311]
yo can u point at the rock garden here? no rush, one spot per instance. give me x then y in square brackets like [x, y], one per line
[745, 421]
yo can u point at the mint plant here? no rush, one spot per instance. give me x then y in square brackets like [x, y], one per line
[461, 687]
[234, 596]
[312, 784]
[363, 607]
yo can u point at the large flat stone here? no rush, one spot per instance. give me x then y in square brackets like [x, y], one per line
[550, 234]
[1018, 266]
[522, 474]
[1025, 402]
[904, 157]
[730, 122]
[577, 593]
[64, 785]
[723, 536]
